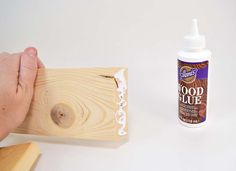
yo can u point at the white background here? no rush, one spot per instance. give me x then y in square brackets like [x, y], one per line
[143, 35]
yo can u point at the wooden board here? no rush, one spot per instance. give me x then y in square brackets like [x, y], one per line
[19, 157]
[86, 103]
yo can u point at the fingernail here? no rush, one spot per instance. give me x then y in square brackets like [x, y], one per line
[31, 51]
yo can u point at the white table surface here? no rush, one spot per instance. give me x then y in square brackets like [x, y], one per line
[145, 37]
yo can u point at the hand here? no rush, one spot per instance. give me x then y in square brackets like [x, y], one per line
[17, 76]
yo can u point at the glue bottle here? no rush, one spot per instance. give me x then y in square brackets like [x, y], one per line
[193, 64]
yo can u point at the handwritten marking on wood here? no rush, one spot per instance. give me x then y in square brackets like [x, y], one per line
[19, 157]
[86, 103]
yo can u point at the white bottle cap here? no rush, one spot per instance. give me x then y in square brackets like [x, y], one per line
[194, 41]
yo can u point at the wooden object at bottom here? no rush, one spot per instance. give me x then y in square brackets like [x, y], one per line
[19, 157]
[86, 103]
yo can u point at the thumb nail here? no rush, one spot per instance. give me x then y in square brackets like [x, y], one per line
[31, 51]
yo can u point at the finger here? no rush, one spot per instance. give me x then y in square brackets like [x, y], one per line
[12, 68]
[28, 69]
[34, 51]
[3, 54]
[40, 64]
[9, 70]
[14, 61]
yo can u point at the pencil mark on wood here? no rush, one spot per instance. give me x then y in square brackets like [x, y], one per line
[112, 77]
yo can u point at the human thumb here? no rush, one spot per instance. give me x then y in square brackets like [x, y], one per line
[28, 69]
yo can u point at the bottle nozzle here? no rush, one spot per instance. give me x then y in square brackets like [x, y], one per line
[194, 41]
[194, 30]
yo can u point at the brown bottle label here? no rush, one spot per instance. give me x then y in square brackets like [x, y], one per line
[192, 88]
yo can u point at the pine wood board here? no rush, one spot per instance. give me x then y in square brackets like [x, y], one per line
[85, 103]
[19, 157]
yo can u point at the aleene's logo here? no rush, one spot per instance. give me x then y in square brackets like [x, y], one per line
[188, 74]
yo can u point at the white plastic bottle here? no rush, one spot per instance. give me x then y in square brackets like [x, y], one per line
[193, 65]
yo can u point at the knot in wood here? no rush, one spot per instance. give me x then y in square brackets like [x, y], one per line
[62, 115]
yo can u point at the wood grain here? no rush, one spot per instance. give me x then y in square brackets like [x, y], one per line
[77, 103]
[19, 157]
